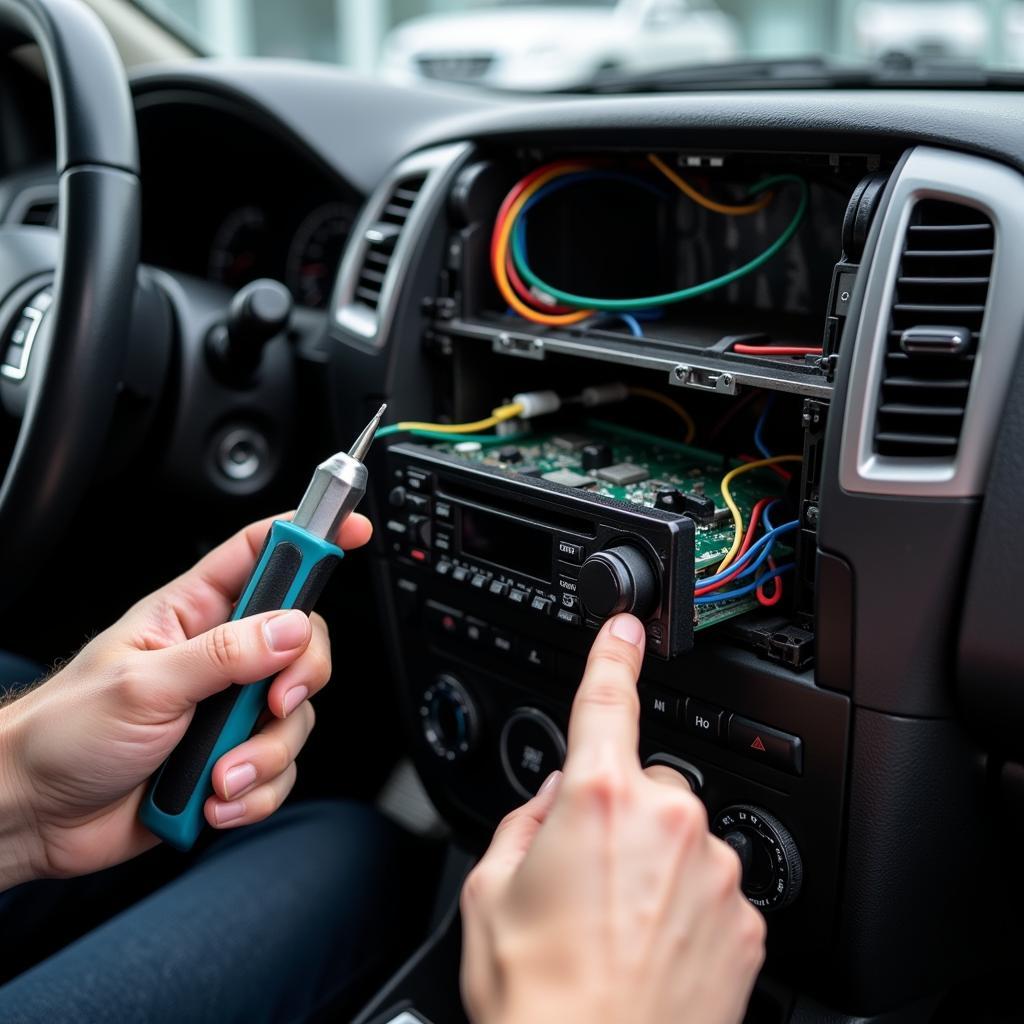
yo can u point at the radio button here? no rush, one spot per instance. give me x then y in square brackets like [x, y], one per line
[442, 540]
[476, 631]
[443, 511]
[703, 720]
[418, 481]
[479, 581]
[443, 568]
[570, 601]
[419, 530]
[460, 574]
[531, 748]
[658, 705]
[568, 617]
[570, 552]
[518, 595]
[501, 641]
[618, 579]
[535, 654]
[441, 618]
[541, 604]
[498, 588]
[396, 526]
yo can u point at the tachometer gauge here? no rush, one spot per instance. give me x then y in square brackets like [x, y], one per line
[239, 251]
[315, 252]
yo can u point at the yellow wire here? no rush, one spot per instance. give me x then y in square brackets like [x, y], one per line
[737, 516]
[499, 415]
[669, 403]
[501, 251]
[702, 200]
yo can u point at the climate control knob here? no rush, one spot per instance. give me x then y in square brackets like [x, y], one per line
[449, 718]
[618, 579]
[772, 868]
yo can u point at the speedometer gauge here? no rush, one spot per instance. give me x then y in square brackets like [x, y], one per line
[238, 253]
[315, 252]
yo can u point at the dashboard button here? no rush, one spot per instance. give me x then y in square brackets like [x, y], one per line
[476, 631]
[442, 540]
[541, 604]
[535, 654]
[502, 641]
[770, 746]
[443, 568]
[568, 617]
[460, 574]
[693, 775]
[658, 705]
[570, 601]
[479, 581]
[443, 511]
[570, 552]
[517, 595]
[532, 747]
[499, 588]
[441, 618]
[703, 720]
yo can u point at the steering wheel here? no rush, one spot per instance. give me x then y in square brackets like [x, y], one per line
[66, 294]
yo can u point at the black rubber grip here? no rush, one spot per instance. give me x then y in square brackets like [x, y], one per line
[184, 767]
[315, 583]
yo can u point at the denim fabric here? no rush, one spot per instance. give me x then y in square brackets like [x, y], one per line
[267, 924]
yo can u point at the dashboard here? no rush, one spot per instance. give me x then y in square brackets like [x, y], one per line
[858, 725]
[230, 200]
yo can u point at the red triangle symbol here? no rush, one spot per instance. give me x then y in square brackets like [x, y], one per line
[757, 744]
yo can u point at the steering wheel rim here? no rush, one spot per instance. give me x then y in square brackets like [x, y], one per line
[70, 387]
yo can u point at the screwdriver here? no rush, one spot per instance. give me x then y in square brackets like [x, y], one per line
[297, 559]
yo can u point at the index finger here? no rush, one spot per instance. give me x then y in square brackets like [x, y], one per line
[606, 711]
[222, 574]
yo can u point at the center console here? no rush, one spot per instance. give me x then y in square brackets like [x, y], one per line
[797, 709]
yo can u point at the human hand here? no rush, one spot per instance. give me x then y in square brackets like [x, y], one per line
[605, 898]
[77, 752]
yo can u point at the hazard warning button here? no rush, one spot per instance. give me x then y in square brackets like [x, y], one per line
[769, 746]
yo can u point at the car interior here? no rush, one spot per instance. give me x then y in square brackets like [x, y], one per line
[697, 314]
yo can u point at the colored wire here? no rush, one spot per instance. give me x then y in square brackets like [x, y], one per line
[763, 599]
[737, 516]
[751, 560]
[433, 435]
[702, 200]
[669, 403]
[701, 586]
[759, 429]
[628, 319]
[516, 226]
[743, 591]
[507, 215]
[499, 415]
[784, 474]
[776, 350]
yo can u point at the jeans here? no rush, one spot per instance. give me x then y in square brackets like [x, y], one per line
[269, 923]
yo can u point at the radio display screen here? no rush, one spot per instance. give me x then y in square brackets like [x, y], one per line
[506, 543]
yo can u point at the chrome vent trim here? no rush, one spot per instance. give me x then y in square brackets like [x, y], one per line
[373, 270]
[997, 192]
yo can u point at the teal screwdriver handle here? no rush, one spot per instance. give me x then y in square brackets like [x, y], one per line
[291, 572]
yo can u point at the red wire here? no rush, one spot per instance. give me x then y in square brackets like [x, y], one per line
[776, 469]
[748, 538]
[776, 350]
[764, 601]
[523, 291]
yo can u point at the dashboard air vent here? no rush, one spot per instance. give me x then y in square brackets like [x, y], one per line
[382, 237]
[934, 330]
[41, 212]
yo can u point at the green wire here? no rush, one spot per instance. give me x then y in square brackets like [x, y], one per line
[438, 435]
[621, 305]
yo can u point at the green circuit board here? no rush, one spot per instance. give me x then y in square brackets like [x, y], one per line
[642, 464]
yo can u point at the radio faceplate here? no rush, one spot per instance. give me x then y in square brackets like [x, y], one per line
[565, 555]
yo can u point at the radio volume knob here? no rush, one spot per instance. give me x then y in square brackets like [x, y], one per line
[618, 579]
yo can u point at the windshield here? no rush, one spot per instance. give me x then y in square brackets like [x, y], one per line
[573, 44]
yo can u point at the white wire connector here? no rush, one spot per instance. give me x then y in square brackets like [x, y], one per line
[537, 403]
[604, 394]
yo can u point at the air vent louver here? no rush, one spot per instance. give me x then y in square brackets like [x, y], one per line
[382, 237]
[942, 284]
[42, 212]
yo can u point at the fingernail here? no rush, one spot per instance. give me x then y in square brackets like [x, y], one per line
[286, 631]
[550, 782]
[223, 813]
[628, 628]
[238, 778]
[293, 698]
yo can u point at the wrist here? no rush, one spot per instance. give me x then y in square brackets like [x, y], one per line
[18, 840]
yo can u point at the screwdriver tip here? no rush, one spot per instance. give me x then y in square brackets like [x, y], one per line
[362, 443]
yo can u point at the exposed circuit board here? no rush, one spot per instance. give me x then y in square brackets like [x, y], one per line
[633, 466]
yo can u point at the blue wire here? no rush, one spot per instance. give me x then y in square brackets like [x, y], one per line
[749, 588]
[758, 546]
[759, 429]
[572, 179]
[628, 319]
